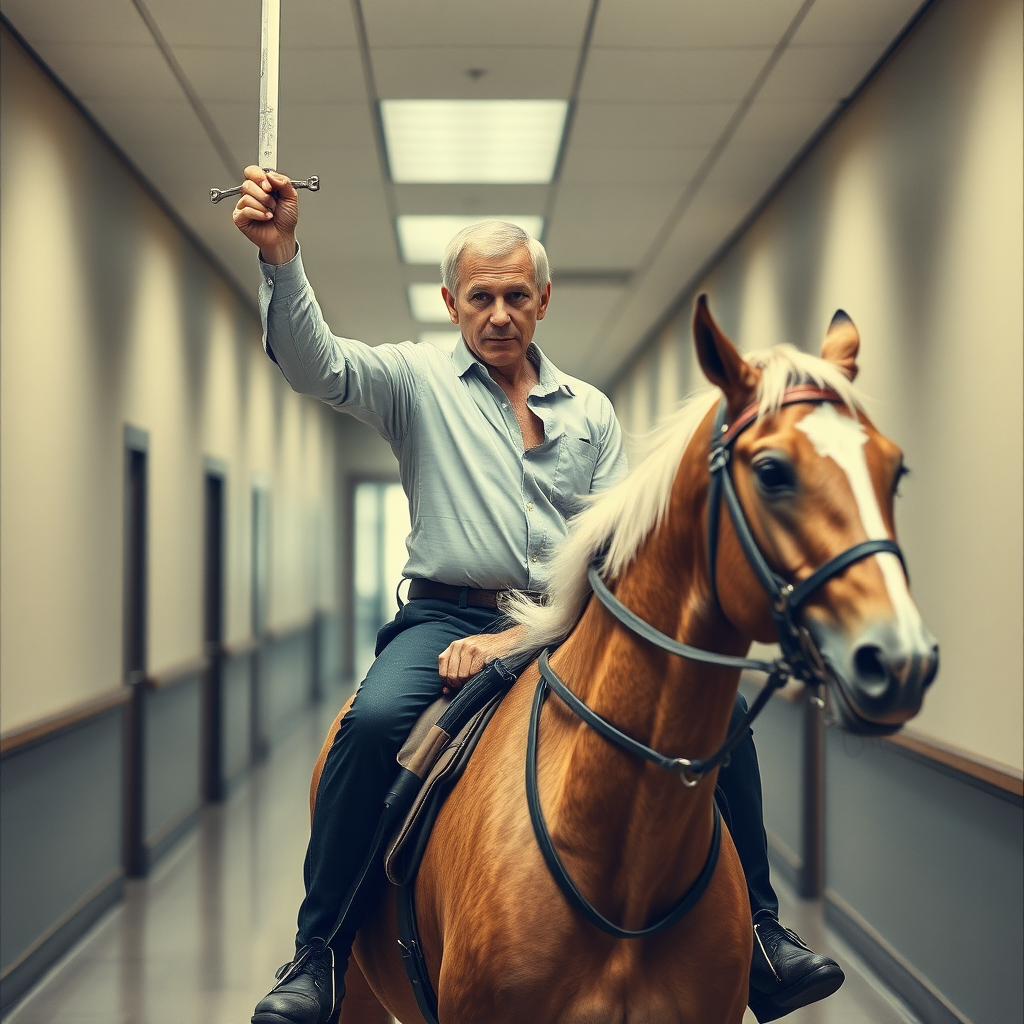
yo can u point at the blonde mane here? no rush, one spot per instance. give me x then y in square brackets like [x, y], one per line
[623, 517]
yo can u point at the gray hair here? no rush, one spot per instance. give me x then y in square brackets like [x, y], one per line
[493, 238]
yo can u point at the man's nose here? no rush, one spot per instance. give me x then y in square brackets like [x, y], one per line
[500, 315]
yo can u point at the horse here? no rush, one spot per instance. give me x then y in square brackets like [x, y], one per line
[813, 478]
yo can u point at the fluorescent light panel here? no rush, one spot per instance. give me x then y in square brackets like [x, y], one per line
[506, 142]
[445, 340]
[426, 304]
[423, 238]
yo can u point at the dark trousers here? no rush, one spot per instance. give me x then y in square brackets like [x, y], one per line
[361, 767]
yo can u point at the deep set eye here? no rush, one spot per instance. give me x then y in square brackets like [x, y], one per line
[774, 475]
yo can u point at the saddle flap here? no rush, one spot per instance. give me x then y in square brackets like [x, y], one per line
[406, 849]
[426, 740]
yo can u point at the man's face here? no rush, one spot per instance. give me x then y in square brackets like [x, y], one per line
[498, 305]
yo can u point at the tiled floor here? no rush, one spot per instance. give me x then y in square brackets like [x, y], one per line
[198, 942]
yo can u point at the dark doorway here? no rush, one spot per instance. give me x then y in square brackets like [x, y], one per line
[136, 485]
[213, 633]
[260, 571]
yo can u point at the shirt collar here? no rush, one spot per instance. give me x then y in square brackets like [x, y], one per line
[551, 378]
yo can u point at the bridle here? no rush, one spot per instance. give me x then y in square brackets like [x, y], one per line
[799, 659]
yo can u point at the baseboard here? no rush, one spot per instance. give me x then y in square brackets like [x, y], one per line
[21, 975]
[920, 995]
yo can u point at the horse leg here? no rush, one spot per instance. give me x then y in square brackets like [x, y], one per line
[360, 1005]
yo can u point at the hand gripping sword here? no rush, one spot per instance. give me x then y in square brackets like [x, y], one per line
[270, 69]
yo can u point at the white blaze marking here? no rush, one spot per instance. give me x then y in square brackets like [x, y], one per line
[842, 439]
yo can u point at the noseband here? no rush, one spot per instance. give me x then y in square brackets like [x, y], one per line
[800, 657]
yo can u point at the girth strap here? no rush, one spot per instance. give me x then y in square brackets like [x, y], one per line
[554, 862]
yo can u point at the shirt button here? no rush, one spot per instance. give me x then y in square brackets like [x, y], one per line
[529, 506]
[270, 281]
[533, 558]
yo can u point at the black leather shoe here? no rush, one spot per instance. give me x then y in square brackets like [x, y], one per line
[304, 993]
[785, 973]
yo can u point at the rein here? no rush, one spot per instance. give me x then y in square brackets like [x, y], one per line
[800, 659]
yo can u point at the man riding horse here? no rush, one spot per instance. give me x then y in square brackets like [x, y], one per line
[495, 446]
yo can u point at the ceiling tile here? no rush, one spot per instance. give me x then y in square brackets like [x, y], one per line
[218, 74]
[98, 71]
[131, 120]
[225, 23]
[811, 72]
[585, 165]
[595, 226]
[693, 23]
[574, 316]
[530, 23]
[865, 21]
[319, 133]
[107, 22]
[779, 123]
[441, 72]
[645, 126]
[722, 74]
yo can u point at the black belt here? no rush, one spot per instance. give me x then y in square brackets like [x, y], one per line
[464, 597]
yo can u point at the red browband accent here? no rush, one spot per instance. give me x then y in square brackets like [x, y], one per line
[792, 396]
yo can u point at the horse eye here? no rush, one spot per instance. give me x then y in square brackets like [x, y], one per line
[903, 471]
[774, 475]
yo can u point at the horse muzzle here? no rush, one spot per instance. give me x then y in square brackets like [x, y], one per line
[879, 677]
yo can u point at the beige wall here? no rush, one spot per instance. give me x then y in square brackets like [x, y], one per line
[110, 316]
[908, 214]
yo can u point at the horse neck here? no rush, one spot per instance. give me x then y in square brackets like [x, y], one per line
[641, 836]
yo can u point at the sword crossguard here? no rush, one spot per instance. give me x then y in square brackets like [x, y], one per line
[312, 183]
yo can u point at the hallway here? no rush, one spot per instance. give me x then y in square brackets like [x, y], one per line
[199, 940]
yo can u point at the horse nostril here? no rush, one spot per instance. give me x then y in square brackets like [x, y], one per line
[931, 668]
[872, 669]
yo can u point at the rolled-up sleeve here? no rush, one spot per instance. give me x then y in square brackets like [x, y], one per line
[611, 464]
[375, 384]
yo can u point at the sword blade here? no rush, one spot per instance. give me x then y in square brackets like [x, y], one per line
[270, 68]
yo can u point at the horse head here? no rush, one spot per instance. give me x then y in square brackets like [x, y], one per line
[816, 479]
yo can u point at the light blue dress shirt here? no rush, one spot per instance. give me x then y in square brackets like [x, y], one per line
[484, 511]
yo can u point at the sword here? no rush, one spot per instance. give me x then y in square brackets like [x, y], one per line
[270, 70]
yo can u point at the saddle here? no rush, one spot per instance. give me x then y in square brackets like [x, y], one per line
[439, 760]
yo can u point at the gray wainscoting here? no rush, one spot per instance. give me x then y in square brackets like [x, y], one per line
[285, 681]
[236, 718]
[924, 866]
[173, 794]
[60, 845]
[933, 863]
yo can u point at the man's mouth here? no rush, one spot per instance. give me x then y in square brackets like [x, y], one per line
[497, 339]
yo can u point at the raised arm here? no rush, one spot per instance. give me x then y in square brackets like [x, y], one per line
[376, 385]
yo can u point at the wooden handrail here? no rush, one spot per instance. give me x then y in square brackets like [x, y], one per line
[44, 728]
[177, 673]
[287, 629]
[240, 648]
[1002, 776]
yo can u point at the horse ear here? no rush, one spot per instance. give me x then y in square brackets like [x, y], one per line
[842, 343]
[719, 358]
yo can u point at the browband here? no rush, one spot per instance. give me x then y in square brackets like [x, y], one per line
[792, 396]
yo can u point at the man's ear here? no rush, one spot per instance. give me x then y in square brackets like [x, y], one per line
[449, 301]
[842, 343]
[545, 298]
[720, 360]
